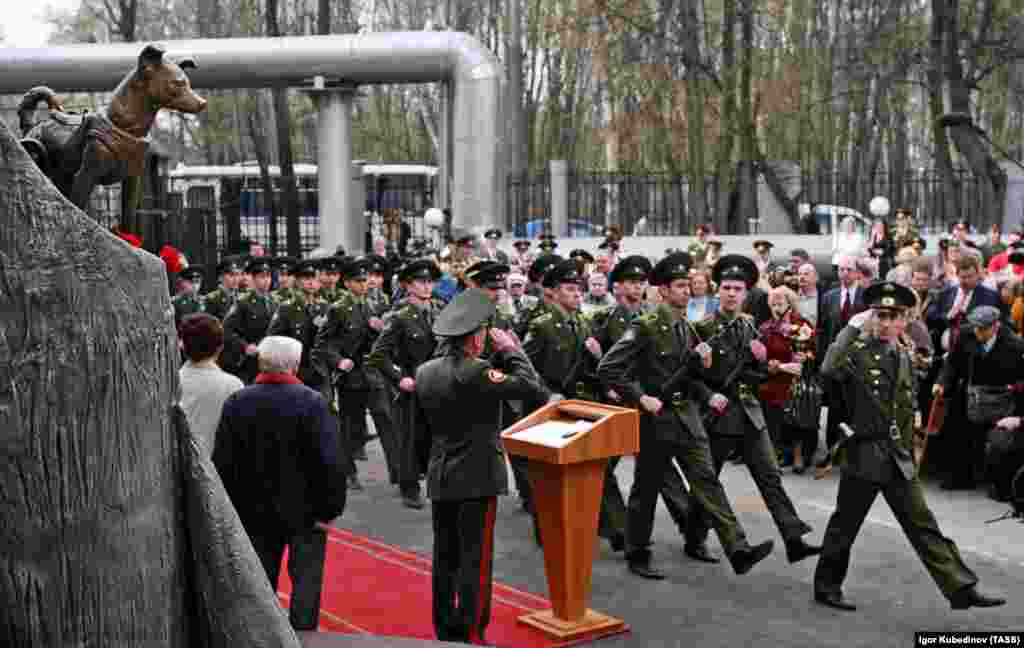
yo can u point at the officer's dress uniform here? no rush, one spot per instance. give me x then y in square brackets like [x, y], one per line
[346, 334]
[246, 323]
[219, 301]
[299, 317]
[743, 424]
[642, 363]
[461, 399]
[877, 380]
[381, 396]
[406, 342]
[186, 304]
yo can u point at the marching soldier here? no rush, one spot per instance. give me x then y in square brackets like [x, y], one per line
[876, 378]
[330, 275]
[653, 367]
[407, 342]
[219, 301]
[536, 275]
[188, 300]
[339, 353]
[735, 363]
[460, 397]
[247, 322]
[300, 316]
[283, 266]
[381, 394]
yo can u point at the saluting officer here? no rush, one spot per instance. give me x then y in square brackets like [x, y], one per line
[339, 355]
[220, 300]
[300, 316]
[188, 299]
[247, 322]
[407, 342]
[460, 397]
[735, 364]
[876, 377]
[653, 367]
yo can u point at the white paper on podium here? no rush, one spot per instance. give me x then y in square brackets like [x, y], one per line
[553, 434]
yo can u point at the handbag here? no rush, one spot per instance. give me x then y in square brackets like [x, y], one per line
[803, 409]
[986, 404]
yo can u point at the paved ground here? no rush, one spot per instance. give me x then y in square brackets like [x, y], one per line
[707, 605]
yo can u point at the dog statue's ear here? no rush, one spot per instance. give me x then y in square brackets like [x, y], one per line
[188, 63]
[151, 55]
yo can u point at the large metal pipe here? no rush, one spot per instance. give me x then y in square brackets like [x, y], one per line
[389, 57]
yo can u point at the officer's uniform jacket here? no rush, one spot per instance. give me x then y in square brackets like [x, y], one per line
[406, 342]
[187, 304]
[246, 323]
[730, 344]
[345, 334]
[521, 322]
[460, 400]
[526, 302]
[281, 295]
[607, 325]
[299, 318]
[655, 357]
[219, 301]
[878, 385]
[554, 344]
[331, 295]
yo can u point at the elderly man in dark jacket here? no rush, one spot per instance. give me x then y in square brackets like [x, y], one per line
[277, 454]
[461, 398]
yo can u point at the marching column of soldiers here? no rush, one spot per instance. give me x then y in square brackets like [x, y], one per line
[695, 384]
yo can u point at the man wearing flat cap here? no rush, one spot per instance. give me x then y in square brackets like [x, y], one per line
[735, 363]
[300, 315]
[338, 355]
[247, 321]
[407, 342]
[460, 397]
[875, 375]
[653, 367]
[490, 251]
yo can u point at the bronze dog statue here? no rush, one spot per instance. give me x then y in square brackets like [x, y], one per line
[78, 151]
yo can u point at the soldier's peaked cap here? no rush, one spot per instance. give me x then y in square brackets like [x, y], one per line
[378, 264]
[490, 274]
[420, 269]
[560, 273]
[258, 265]
[540, 266]
[229, 264]
[330, 264]
[632, 267]
[191, 273]
[889, 295]
[357, 268]
[305, 268]
[466, 312]
[283, 264]
[735, 267]
[674, 266]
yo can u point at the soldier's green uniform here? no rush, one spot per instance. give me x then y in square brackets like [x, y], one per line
[299, 317]
[246, 323]
[281, 295]
[876, 378]
[332, 265]
[283, 266]
[655, 358]
[220, 300]
[187, 304]
[736, 374]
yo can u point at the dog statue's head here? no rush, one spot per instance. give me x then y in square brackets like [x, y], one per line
[165, 80]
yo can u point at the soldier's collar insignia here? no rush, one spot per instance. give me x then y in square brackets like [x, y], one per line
[496, 376]
[888, 301]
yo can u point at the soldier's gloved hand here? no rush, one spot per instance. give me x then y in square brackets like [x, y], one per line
[376, 323]
[503, 340]
[759, 350]
[593, 346]
[718, 403]
[346, 364]
[250, 349]
[650, 404]
[704, 350]
[1008, 423]
[407, 384]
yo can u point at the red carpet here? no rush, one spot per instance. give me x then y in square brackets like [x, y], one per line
[375, 588]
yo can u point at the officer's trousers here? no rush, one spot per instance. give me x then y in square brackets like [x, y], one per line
[306, 551]
[352, 418]
[463, 567]
[379, 403]
[906, 499]
[406, 432]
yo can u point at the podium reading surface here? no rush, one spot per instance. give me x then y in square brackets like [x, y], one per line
[569, 444]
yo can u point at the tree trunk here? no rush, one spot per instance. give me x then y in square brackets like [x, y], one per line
[257, 129]
[748, 139]
[727, 139]
[282, 118]
[948, 186]
[690, 19]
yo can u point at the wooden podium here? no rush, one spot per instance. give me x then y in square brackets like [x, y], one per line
[569, 444]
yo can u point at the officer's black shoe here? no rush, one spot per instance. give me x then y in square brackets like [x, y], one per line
[968, 597]
[797, 550]
[834, 600]
[700, 552]
[354, 483]
[743, 560]
[618, 542]
[644, 569]
[413, 501]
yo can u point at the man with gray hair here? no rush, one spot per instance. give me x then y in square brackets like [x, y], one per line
[277, 453]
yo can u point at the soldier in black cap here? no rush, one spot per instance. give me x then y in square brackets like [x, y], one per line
[654, 367]
[459, 396]
[219, 302]
[300, 315]
[188, 299]
[536, 275]
[490, 250]
[339, 354]
[406, 342]
[247, 322]
[283, 265]
[876, 377]
[329, 274]
[735, 364]
[522, 257]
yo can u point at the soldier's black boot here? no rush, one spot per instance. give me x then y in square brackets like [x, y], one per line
[969, 597]
[797, 550]
[743, 560]
[639, 562]
[834, 600]
[699, 551]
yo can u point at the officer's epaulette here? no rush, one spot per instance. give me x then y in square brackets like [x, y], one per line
[542, 318]
[599, 315]
[707, 326]
[408, 310]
